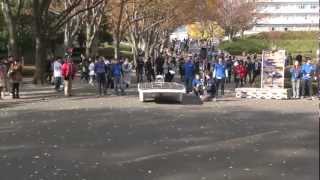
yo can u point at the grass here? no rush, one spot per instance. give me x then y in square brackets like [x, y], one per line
[108, 51]
[245, 45]
[304, 43]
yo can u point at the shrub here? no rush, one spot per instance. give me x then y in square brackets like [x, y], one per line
[304, 43]
[248, 45]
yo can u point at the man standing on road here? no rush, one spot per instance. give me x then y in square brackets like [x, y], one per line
[139, 70]
[68, 73]
[57, 66]
[229, 69]
[92, 74]
[117, 74]
[149, 70]
[308, 71]
[220, 73]
[159, 65]
[256, 70]
[100, 70]
[127, 70]
[250, 69]
[296, 79]
[189, 70]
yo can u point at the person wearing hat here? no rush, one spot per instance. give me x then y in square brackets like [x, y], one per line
[308, 71]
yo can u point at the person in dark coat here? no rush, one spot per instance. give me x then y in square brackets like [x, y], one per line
[149, 70]
[139, 70]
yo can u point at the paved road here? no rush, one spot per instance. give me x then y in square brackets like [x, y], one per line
[48, 137]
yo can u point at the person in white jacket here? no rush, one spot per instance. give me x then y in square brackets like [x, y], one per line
[91, 72]
[127, 70]
[57, 74]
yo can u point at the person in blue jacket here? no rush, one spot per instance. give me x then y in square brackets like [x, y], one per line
[197, 85]
[220, 73]
[308, 70]
[296, 75]
[117, 75]
[100, 69]
[189, 69]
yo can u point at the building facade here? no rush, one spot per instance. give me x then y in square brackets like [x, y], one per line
[287, 15]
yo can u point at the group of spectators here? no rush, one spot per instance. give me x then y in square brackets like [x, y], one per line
[98, 72]
[10, 76]
[302, 77]
[207, 78]
[204, 78]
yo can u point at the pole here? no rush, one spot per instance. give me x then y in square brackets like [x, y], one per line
[318, 51]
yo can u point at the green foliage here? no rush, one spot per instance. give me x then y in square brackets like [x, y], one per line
[304, 43]
[244, 45]
[108, 51]
[25, 36]
[3, 36]
[3, 42]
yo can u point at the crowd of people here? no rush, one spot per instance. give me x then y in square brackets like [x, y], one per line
[302, 77]
[98, 72]
[203, 77]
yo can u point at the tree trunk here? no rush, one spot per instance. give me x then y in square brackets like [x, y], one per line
[67, 37]
[40, 59]
[135, 55]
[88, 40]
[116, 46]
[88, 50]
[230, 37]
[12, 31]
[95, 46]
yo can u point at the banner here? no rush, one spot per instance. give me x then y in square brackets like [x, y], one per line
[273, 69]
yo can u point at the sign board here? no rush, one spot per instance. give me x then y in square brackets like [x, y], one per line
[273, 69]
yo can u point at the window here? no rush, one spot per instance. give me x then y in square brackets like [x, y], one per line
[301, 6]
[277, 6]
[313, 6]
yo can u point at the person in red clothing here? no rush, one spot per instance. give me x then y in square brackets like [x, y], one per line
[68, 73]
[240, 73]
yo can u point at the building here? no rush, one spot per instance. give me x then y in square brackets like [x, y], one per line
[287, 15]
[180, 34]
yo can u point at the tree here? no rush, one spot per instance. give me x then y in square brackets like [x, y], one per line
[93, 19]
[48, 19]
[234, 16]
[150, 22]
[11, 13]
[116, 20]
[73, 26]
[207, 30]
